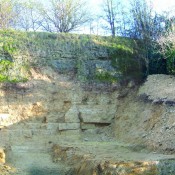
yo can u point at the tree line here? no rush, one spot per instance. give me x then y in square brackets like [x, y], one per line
[53, 16]
[136, 19]
[154, 33]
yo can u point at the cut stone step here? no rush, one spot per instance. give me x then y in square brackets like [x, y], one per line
[69, 126]
[97, 114]
[29, 133]
[30, 148]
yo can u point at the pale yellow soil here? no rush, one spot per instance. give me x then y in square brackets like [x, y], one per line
[141, 131]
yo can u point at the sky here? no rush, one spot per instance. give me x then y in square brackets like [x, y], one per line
[159, 5]
[162, 5]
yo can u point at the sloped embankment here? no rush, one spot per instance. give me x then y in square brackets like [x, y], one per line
[147, 116]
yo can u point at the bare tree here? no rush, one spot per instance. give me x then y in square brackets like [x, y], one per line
[145, 25]
[141, 19]
[111, 11]
[7, 14]
[29, 17]
[65, 15]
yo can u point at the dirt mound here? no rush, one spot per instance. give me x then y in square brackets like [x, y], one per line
[159, 88]
[146, 115]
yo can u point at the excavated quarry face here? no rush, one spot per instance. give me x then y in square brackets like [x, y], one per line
[51, 125]
[50, 108]
[52, 104]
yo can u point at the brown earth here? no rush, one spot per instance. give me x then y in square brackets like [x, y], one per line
[128, 130]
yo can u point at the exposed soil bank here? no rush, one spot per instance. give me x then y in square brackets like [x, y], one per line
[147, 116]
[127, 130]
[144, 122]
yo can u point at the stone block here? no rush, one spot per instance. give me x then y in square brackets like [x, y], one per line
[89, 68]
[72, 115]
[69, 126]
[43, 132]
[97, 113]
[53, 126]
[64, 65]
[35, 126]
[70, 135]
[69, 132]
[86, 126]
[15, 133]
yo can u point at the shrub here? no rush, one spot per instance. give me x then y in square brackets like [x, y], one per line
[12, 45]
[128, 59]
[167, 50]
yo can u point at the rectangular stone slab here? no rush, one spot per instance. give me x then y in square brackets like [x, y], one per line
[69, 126]
[97, 113]
[87, 126]
[72, 115]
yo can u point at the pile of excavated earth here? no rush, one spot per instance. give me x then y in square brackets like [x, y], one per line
[52, 125]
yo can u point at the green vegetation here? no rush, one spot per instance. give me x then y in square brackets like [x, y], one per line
[127, 57]
[167, 51]
[11, 63]
[10, 40]
[136, 54]
[106, 77]
[22, 50]
[19, 51]
[6, 67]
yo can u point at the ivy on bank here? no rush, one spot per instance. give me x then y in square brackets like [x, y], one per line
[10, 65]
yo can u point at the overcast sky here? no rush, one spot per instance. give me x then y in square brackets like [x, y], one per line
[162, 5]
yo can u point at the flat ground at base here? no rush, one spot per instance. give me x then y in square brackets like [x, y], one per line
[39, 162]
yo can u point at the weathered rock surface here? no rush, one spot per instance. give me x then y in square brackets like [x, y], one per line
[69, 126]
[97, 113]
[7, 170]
[50, 103]
[72, 116]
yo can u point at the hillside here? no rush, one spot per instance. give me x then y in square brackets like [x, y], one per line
[66, 112]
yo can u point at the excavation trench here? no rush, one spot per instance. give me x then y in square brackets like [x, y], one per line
[51, 125]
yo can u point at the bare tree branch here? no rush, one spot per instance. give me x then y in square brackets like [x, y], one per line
[65, 15]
